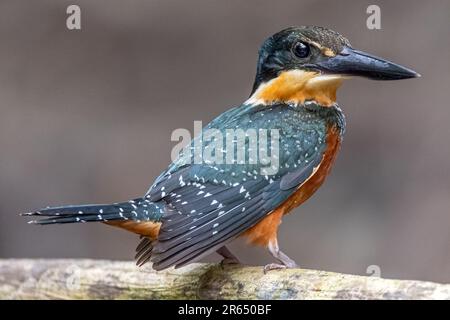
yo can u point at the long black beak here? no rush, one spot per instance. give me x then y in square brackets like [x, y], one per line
[357, 63]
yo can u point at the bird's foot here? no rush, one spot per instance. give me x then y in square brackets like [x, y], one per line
[279, 266]
[273, 266]
[285, 261]
[229, 261]
[228, 257]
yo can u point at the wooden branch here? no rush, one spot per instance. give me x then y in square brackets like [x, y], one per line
[99, 279]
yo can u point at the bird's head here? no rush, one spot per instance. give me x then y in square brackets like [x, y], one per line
[309, 63]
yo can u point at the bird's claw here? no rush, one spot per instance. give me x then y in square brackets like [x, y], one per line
[278, 266]
[273, 266]
[229, 261]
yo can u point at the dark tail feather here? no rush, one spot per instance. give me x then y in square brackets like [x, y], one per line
[138, 209]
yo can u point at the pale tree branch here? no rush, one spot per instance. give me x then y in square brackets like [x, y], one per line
[99, 279]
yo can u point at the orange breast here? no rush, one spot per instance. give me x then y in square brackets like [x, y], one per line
[266, 230]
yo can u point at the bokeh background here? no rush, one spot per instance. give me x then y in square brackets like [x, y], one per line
[86, 117]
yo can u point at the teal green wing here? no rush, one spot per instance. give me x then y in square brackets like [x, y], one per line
[213, 204]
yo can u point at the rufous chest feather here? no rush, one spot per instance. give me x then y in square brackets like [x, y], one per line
[266, 230]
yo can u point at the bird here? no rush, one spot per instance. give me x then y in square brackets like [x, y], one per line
[195, 208]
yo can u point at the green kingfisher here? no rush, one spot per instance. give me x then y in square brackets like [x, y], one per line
[195, 208]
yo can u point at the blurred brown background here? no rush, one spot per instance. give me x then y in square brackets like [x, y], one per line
[86, 117]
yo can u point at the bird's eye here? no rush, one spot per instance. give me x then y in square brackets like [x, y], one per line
[301, 49]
